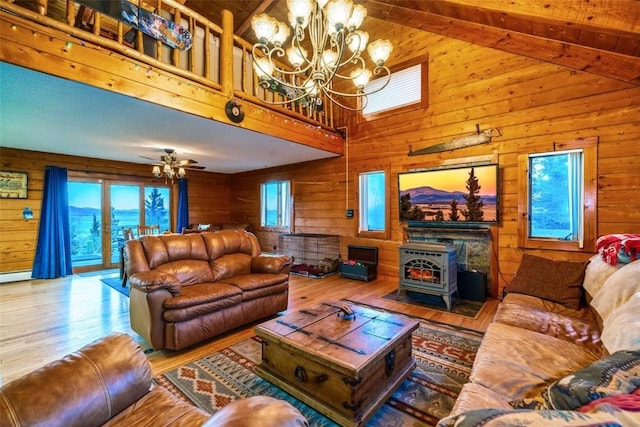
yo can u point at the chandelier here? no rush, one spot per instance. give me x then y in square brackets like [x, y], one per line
[170, 167]
[325, 46]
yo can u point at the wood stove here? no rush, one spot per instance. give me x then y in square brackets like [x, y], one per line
[429, 268]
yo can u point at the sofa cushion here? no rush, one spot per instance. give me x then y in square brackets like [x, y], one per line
[617, 289]
[580, 328]
[518, 363]
[159, 408]
[231, 265]
[162, 249]
[622, 328]
[596, 273]
[201, 293]
[476, 396]
[558, 281]
[188, 272]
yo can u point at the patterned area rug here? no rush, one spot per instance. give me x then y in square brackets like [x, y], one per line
[462, 307]
[444, 356]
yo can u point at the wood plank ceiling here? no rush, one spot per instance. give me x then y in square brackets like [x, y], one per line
[600, 37]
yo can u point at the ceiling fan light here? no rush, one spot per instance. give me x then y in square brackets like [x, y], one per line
[379, 51]
[264, 27]
[181, 172]
[156, 171]
[166, 168]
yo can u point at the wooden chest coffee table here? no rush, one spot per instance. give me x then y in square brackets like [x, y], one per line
[345, 366]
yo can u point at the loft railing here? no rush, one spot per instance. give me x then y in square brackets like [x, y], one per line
[217, 59]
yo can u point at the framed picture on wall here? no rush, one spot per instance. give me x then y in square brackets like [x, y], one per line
[13, 185]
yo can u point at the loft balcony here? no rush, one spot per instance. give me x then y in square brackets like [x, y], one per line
[64, 39]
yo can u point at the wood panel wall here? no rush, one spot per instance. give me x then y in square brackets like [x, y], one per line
[532, 102]
[208, 197]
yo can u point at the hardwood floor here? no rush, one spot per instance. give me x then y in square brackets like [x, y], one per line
[43, 320]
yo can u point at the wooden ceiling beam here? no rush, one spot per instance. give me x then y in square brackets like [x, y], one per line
[609, 16]
[608, 64]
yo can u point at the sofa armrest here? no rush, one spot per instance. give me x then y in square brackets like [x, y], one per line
[149, 281]
[85, 388]
[271, 264]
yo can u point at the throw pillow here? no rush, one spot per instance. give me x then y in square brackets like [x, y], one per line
[617, 374]
[557, 281]
[604, 415]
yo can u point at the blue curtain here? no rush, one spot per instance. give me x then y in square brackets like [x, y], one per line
[183, 206]
[53, 251]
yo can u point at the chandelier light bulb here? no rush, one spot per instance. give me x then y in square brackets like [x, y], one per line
[156, 171]
[281, 35]
[379, 51]
[300, 10]
[263, 68]
[358, 15]
[297, 56]
[338, 13]
[264, 27]
[329, 58]
[360, 78]
[357, 41]
[181, 172]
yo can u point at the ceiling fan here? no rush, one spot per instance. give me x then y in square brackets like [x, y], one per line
[170, 167]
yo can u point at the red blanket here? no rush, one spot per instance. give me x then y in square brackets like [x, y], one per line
[616, 248]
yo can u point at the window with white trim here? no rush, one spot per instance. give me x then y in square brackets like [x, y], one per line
[560, 207]
[373, 205]
[405, 88]
[275, 202]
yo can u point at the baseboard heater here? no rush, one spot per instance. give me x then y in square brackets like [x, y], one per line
[15, 276]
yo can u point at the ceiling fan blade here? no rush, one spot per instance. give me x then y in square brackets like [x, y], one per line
[148, 158]
[185, 162]
[195, 168]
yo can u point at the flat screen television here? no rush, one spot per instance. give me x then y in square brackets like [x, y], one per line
[454, 196]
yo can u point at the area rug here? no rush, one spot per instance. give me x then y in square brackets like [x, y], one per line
[444, 356]
[116, 283]
[463, 307]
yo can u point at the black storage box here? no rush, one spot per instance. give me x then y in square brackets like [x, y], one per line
[472, 285]
[361, 263]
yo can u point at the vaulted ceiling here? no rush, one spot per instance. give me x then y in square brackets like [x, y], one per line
[601, 37]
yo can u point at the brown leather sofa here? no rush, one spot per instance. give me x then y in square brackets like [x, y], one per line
[191, 287]
[108, 383]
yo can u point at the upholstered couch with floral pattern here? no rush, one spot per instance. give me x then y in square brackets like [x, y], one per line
[563, 348]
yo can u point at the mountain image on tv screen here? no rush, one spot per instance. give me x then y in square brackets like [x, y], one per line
[467, 194]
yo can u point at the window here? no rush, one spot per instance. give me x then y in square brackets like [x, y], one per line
[275, 202]
[559, 211]
[407, 87]
[373, 205]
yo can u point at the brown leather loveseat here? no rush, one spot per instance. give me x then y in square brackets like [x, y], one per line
[188, 288]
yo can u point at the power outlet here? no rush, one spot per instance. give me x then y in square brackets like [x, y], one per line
[349, 213]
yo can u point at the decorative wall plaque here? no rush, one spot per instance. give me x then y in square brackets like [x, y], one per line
[13, 185]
